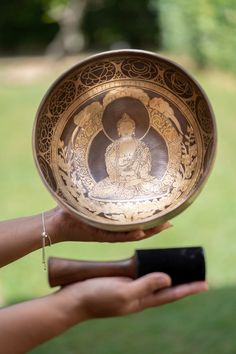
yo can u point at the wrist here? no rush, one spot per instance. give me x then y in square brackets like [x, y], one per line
[54, 225]
[71, 304]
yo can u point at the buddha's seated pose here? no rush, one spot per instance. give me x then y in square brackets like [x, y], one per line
[128, 164]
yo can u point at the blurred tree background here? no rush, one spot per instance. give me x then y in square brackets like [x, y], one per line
[23, 27]
[204, 30]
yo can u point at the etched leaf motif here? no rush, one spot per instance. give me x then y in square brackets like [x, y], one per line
[182, 151]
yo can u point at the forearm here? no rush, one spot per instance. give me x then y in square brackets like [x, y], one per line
[21, 236]
[27, 325]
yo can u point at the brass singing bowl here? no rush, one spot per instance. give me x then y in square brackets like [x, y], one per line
[124, 140]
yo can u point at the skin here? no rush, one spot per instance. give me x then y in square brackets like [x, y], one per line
[28, 324]
[22, 236]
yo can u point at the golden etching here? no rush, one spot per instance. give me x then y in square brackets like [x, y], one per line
[136, 181]
[129, 192]
[128, 164]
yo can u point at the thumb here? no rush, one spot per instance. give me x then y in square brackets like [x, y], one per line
[149, 284]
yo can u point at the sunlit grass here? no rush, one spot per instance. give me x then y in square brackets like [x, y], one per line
[209, 222]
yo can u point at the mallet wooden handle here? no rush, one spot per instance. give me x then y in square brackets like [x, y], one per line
[183, 265]
[65, 271]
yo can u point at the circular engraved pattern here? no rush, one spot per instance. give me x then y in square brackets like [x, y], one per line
[178, 83]
[204, 116]
[98, 73]
[47, 173]
[139, 69]
[55, 119]
[136, 182]
[44, 134]
[47, 156]
[64, 95]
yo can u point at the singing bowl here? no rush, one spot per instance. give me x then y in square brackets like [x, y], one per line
[124, 140]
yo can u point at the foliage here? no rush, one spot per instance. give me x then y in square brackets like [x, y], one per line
[22, 29]
[132, 22]
[203, 29]
[31, 26]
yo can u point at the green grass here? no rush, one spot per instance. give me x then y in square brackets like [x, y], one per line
[202, 324]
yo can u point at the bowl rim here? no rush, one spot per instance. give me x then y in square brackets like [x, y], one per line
[152, 221]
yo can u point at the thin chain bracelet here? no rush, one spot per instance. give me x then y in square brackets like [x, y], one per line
[44, 237]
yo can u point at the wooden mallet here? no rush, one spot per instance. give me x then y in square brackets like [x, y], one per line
[183, 265]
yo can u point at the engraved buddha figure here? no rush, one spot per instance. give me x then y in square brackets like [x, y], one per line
[128, 165]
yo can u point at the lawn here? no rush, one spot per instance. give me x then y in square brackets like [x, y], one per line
[203, 324]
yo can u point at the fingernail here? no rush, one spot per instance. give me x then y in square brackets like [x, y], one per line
[140, 234]
[164, 282]
[164, 279]
[167, 225]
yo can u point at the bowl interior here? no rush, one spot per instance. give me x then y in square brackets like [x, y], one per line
[124, 139]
